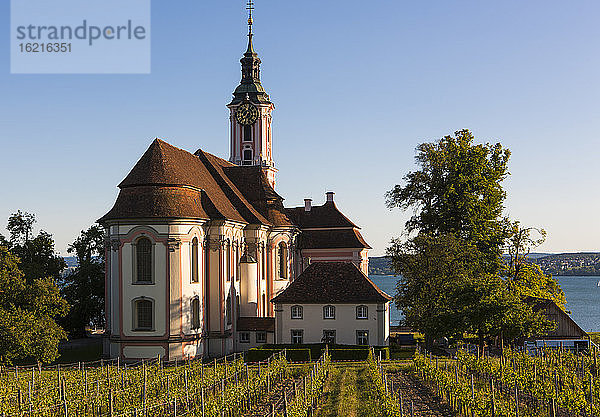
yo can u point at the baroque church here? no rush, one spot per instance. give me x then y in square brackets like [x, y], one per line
[199, 246]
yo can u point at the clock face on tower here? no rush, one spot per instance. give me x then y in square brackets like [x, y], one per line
[246, 114]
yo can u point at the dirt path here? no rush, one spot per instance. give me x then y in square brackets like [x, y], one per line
[348, 393]
[275, 397]
[424, 402]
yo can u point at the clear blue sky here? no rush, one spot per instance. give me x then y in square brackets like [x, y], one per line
[357, 85]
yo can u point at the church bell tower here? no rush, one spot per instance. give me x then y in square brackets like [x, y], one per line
[250, 115]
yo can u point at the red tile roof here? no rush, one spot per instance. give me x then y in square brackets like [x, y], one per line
[332, 239]
[265, 324]
[331, 282]
[169, 182]
[323, 216]
[253, 184]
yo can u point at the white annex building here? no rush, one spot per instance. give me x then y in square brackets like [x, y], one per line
[199, 246]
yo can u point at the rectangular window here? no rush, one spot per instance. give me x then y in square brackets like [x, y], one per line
[297, 312]
[329, 336]
[329, 312]
[362, 313]
[362, 337]
[244, 337]
[297, 336]
[261, 337]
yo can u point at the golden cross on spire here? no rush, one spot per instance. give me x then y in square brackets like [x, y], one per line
[250, 7]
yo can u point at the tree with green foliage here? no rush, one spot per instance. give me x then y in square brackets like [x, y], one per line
[458, 190]
[523, 276]
[27, 312]
[435, 270]
[451, 262]
[83, 288]
[20, 226]
[36, 253]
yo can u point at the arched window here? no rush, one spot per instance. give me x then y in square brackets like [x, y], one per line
[143, 255]
[143, 314]
[297, 312]
[247, 133]
[236, 263]
[228, 317]
[195, 313]
[228, 262]
[329, 312]
[195, 275]
[282, 261]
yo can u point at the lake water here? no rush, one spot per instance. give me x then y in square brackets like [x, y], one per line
[583, 299]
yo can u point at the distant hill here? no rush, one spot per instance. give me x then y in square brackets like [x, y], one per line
[574, 264]
[535, 255]
[564, 264]
[380, 265]
[71, 261]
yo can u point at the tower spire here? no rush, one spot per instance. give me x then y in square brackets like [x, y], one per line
[250, 7]
[250, 117]
[250, 84]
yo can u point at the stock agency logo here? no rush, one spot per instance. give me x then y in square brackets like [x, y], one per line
[91, 33]
[85, 37]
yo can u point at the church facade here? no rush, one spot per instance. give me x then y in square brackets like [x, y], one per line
[198, 246]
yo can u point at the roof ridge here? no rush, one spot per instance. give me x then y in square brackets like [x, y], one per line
[231, 189]
[332, 282]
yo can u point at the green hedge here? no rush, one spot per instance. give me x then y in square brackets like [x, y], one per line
[298, 355]
[309, 352]
[257, 355]
[349, 354]
[291, 354]
[403, 353]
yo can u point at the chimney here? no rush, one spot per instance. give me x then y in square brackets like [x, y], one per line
[307, 204]
[329, 195]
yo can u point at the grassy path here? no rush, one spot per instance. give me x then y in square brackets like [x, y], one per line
[347, 393]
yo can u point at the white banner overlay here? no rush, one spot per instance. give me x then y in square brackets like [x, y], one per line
[80, 37]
